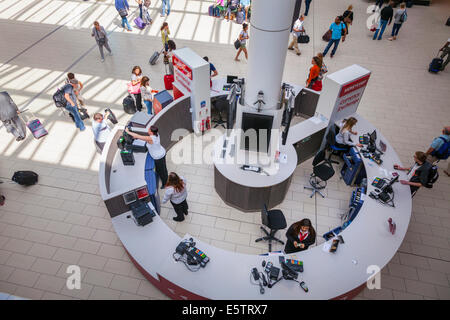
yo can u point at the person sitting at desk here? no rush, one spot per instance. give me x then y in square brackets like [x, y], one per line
[300, 236]
[156, 151]
[343, 137]
[418, 173]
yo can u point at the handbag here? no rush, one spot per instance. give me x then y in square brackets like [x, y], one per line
[237, 44]
[134, 89]
[303, 38]
[123, 12]
[101, 41]
[327, 36]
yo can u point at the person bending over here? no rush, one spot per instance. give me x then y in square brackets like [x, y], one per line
[176, 192]
[300, 236]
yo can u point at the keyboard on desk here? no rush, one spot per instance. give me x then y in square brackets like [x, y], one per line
[379, 183]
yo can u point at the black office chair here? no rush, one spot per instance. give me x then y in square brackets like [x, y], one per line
[220, 105]
[332, 145]
[274, 220]
[322, 171]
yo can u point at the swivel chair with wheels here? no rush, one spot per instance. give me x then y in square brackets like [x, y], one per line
[274, 220]
[322, 171]
[332, 145]
[220, 105]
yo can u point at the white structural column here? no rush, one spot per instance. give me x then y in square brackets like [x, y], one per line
[269, 33]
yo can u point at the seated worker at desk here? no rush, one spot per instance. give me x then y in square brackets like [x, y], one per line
[156, 151]
[418, 174]
[343, 137]
[300, 236]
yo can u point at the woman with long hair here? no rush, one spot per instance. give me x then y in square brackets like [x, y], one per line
[146, 93]
[156, 151]
[165, 36]
[243, 37]
[343, 137]
[300, 236]
[136, 77]
[324, 68]
[313, 81]
[348, 17]
[176, 192]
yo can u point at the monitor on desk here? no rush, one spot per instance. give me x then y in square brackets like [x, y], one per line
[259, 123]
[373, 137]
[230, 79]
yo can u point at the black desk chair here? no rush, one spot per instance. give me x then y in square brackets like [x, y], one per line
[332, 145]
[220, 105]
[274, 220]
[322, 171]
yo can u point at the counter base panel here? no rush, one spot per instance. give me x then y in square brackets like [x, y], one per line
[249, 199]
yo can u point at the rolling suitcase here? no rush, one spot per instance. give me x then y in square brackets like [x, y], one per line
[139, 23]
[36, 128]
[154, 57]
[240, 17]
[211, 10]
[168, 80]
[436, 64]
[129, 105]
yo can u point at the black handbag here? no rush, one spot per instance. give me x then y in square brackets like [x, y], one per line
[303, 38]
[237, 44]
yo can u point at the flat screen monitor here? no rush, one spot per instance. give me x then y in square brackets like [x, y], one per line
[373, 136]
[230, 79]
[262, 124]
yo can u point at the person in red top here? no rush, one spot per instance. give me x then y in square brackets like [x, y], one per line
[313, 81]
[300, 236]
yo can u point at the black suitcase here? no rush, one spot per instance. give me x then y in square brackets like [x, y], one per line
[25, 178]
[129, 105]
[111, 117]
[435, 65]
[154, 57]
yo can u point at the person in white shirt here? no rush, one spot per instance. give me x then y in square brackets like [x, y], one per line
[343, 137]
[296, 31]
[176, 192]
[156, 151]
[101, 129]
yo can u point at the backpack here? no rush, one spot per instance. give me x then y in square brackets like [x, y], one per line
[25, 178]
[59, 99]
[433, 175]
[444, 151]
[404, 17]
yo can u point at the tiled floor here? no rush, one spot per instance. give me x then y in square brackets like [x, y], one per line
[63, 221]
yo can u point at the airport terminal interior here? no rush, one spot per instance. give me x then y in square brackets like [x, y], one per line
[63, 221]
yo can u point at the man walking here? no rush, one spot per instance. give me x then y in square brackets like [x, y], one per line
[71, 105]
[102, 39]
[166, 6]
[445, 52]
[439, 149]
[296, 30]
[385, 18]
[101, 130]
[307, 3]
[336, 33]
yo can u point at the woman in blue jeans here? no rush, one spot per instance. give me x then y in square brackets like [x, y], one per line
[166, 6]
[122, 7]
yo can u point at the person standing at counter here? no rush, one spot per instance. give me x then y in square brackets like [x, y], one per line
[136, 77]
[300, 236]
[146, 93]
[343, 137]
[156, 151]
[439, 149]
[176, 192]
[418, 174]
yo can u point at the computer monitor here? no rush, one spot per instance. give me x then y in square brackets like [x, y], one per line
[230, 79]
[373, 137]
[258, 122]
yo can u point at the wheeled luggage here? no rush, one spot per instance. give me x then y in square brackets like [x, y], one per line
[168, 80]
[154, 57]
[436, 64]
[139, 23]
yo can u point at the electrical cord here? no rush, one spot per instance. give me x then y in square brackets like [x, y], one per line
[183, 259]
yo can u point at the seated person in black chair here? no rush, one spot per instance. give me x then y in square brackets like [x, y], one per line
[300, 236]
[343, 137]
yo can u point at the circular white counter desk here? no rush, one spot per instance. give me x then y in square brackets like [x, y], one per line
[341, 275]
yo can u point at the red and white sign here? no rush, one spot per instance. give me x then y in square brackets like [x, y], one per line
[181, 67]
[350, 95]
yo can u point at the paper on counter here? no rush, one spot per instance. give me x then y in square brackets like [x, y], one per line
[315, 120]
[326, 246]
